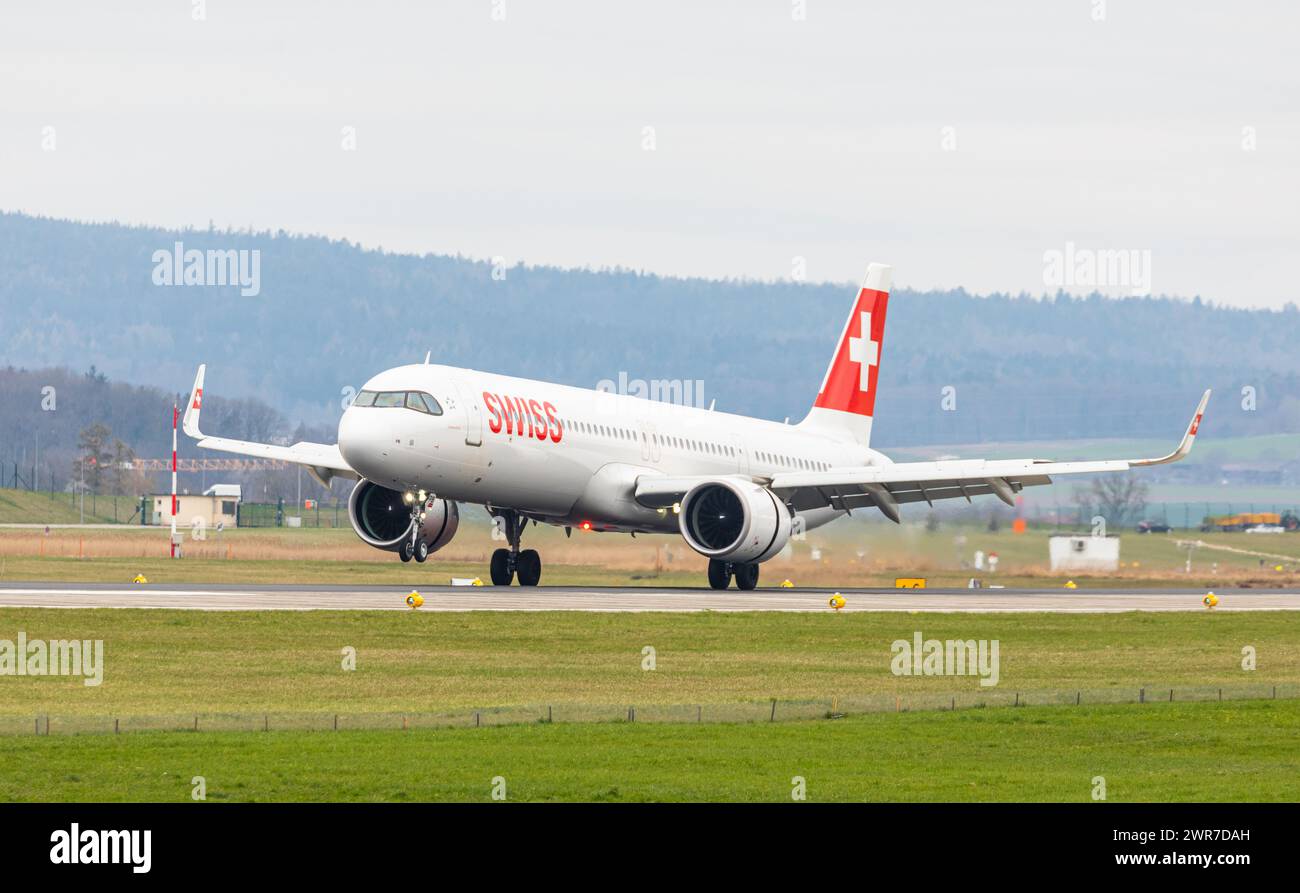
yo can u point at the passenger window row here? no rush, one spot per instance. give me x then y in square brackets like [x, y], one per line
[681, 443]
[792, 462]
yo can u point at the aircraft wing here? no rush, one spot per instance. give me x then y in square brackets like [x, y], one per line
[323, 460]
[888, 486]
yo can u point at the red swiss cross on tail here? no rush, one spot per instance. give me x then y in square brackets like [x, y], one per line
[847, 399]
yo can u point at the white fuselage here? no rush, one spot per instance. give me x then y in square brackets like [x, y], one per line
[566, 455]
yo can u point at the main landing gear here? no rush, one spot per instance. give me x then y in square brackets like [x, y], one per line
[510, 563]
[721, 572]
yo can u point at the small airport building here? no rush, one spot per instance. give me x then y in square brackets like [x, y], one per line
[218, 506]
[1083, 552]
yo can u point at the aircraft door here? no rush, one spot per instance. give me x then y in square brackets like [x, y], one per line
[473, 415]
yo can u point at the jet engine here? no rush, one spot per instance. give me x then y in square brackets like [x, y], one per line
[382, 518]
[734, 520]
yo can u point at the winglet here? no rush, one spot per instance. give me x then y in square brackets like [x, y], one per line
[1185, 446]
[191, 421]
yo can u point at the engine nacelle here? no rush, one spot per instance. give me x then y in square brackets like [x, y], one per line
[734, 520]
[382, 518]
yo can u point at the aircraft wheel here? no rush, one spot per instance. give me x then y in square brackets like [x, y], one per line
[719, 574]
[746, 576]
[421, 551]
[528, 567]
[500, 568]
[404, 552]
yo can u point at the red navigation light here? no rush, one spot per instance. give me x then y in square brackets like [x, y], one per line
[585, 525]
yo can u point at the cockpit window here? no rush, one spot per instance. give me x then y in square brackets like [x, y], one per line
[417, 400]
[390, 398]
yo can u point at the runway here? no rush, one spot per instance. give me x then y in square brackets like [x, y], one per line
[264, 597]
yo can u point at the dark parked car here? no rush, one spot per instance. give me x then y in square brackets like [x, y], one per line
[1152, 527]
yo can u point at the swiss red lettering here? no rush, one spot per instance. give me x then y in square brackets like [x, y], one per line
[524, 414]
[519, 415]
[539, 429]
[491, 403]
[556, 428]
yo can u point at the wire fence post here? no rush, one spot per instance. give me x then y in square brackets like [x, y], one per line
[772, 718]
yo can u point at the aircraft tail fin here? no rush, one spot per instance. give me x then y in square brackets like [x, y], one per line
[846, 403]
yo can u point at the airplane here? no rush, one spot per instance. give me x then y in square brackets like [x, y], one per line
[421, 438]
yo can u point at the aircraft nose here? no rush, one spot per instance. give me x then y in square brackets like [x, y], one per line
[362, 442]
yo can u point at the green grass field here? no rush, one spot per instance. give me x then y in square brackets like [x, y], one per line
[180, 663]
[1159, 752]
[28, 507]
[185, 662]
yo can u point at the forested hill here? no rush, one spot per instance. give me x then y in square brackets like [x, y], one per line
[328, 315]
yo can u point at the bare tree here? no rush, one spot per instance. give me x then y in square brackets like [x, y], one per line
[1119, 498]
[125, 479]
[94, 457]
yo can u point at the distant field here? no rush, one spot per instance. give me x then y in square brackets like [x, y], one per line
[1156, 752]
[851, 552]
[186, 662]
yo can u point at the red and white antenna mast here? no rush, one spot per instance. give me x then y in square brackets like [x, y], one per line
[175, 418]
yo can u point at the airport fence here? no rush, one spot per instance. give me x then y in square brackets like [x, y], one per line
[281, 514]
[772, 710]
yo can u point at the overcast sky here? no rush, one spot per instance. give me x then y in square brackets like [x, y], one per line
[958, 141]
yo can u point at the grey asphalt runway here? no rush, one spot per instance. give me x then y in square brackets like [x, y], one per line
[204, 597]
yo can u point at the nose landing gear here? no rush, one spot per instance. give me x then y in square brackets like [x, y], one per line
[415, 547]
[507, 564]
